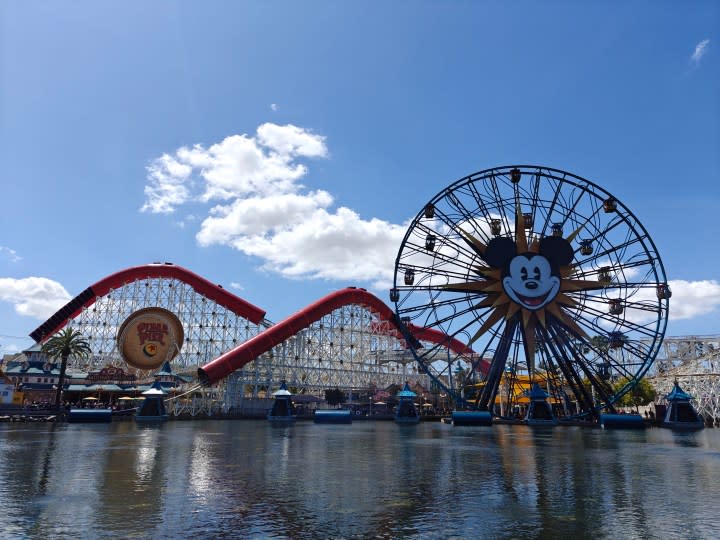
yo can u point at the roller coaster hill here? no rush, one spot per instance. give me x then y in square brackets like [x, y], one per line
[227, 355]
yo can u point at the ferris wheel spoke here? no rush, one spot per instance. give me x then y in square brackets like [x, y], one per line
[601, 254]
[447, 241]
[414, 311]
[626, 325]
[497, 366]
[565, 339]
[565, 365]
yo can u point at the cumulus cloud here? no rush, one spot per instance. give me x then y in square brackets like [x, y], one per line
[10, 254]
[239, 166]
[693, 298]
[34, 296]
[700, 50]
[274, 106]
[264, 211]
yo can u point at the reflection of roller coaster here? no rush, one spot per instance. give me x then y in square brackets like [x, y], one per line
[693, 361]
[348, 339]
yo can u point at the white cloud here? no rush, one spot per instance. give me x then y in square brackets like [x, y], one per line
[11, 348]
[692, 299]
[34, 296]
[689, 299]
[10, 253]
[274, 106]
[700, 50]
[265, 212]
[166, 189]
[338, 246]
[237, 286]
[237, 167]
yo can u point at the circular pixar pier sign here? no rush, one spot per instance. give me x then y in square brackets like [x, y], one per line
[149, 337]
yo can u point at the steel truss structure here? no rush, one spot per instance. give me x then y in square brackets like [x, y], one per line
[693, 361]
[352, 347]
[349, 349]
[210, 329]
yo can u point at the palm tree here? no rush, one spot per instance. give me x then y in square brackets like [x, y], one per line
[65, 344]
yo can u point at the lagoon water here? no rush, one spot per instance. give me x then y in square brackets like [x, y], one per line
[246, 479]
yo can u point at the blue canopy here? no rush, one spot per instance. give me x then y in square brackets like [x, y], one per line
[537, 394]
[165, 370]
[406, 392]
[283, 391]
[678, 394]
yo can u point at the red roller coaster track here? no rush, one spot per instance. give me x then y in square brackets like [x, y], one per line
[236, 358]
[156, 270]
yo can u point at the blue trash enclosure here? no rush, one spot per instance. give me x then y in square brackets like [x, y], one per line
[333, 416]
[471, 418]
[622, 421]
[90, 416]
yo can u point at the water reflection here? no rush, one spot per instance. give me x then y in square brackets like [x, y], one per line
[370, 479]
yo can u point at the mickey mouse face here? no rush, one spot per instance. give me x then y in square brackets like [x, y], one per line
[530, 282]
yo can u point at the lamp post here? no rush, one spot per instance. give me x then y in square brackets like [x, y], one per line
[370, 405]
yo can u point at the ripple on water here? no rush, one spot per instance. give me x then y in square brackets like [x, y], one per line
[243, 479]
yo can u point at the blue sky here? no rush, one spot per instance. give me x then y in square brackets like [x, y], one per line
[279, 148]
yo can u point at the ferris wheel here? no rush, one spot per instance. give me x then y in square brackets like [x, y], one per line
[548, 278]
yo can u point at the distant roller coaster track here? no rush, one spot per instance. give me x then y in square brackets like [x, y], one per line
[236, 358]
[239, 356]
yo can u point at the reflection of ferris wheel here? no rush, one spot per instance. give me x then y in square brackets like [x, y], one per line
[550, 280]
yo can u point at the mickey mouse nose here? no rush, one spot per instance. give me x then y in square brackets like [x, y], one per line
[531, 285]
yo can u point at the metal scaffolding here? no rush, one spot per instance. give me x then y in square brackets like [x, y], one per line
[350, 348]
[694, 362]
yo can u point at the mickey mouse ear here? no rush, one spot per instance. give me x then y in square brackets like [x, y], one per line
[499, 251]
[557, 250]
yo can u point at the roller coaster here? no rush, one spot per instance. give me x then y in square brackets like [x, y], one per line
[349, 339]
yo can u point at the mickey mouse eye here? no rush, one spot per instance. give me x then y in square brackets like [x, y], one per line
[523, 273]
[537, 273]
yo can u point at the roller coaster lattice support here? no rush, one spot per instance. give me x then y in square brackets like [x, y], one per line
[354, 346]
[349, 349]
[693, 361]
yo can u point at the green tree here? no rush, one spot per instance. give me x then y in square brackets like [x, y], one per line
[63, 345]
[600, 343]
[642, 394]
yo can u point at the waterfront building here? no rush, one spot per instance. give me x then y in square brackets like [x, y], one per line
[152, 409]
[34, 376]
[7, 390]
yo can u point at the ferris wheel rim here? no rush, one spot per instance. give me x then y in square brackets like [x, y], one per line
[562, 177]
